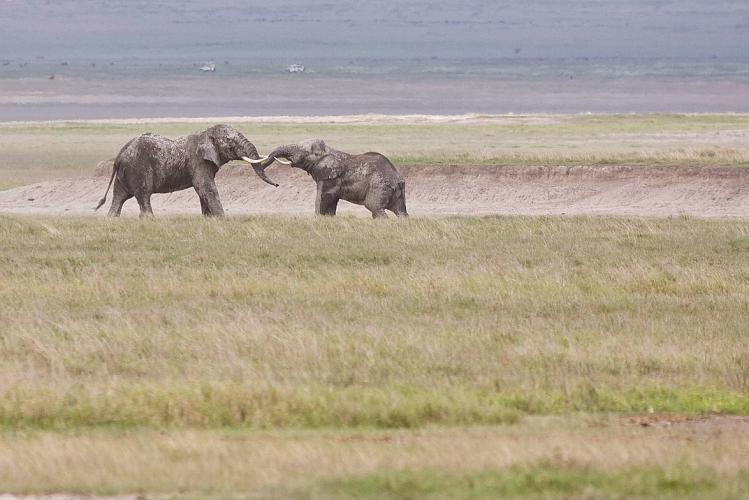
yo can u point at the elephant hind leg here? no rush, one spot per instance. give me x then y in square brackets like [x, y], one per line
[377, 201]
[144, 201]
[376, 207]
[119, 197]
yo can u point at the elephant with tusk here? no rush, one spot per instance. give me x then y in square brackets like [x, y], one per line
[367, 179]
[151, 164]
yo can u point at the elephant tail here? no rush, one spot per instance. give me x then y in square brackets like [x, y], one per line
[104, 199]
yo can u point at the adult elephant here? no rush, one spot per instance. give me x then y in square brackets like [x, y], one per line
[154, 164]
[367, 179]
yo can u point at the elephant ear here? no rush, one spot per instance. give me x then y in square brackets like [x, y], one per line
[207, 150]
[329, 167]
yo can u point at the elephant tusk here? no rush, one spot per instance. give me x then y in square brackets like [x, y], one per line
[263, 158]
[252, 162]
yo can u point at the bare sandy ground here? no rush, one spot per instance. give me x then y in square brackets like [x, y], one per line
[439, 191]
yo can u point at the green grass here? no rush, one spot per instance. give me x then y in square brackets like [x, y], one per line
[542, 480]
[519, 124]
[305, 322]
[234, 405]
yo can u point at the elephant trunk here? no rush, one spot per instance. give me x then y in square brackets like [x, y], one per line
[249, 148]
[286, 151]
[251, 153]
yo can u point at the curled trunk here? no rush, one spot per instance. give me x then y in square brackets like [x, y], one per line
[285, 151]
[251, 153]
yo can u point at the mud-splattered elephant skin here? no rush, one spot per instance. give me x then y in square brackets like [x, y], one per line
[151, 164]
[368, 179]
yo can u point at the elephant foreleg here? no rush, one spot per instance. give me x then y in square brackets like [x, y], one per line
[210, 202]
[398, 206]
[326, 201]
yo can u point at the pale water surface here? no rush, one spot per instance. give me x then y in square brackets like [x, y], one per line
[141, 58]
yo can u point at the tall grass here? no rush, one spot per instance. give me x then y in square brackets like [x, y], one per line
[308, 322]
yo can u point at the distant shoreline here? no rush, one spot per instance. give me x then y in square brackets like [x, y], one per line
[374, 118]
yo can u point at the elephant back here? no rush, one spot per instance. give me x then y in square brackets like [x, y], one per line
[155, 149]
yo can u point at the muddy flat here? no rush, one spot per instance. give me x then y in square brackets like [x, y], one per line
[439, 191]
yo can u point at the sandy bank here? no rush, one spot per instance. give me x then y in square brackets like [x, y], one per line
[441, 191]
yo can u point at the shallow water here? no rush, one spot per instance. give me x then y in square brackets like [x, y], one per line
[142, 58]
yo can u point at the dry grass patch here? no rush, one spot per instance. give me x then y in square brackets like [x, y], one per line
[44, 151]
[541, 457]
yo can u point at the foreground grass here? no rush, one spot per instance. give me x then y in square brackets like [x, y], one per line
[540, 457]
[545, 479]
[337, 358]
[313, 323]
[43, 151]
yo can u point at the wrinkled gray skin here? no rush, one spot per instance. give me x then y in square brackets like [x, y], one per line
[367, 179]
[154, 164]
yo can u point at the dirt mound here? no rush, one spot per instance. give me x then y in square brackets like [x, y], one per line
[456, 190]
[104, 168]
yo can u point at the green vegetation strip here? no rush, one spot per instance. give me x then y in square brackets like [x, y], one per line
[520, 124]
[234, 405]
[541, 480]
[267, 322]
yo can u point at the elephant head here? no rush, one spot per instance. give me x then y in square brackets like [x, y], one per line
[223, 143]
[312, 156]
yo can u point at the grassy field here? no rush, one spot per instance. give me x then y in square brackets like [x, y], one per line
[335, 357]
[43, 151]
[319, 358]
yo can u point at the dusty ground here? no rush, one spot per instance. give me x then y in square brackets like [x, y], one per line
[457, 190]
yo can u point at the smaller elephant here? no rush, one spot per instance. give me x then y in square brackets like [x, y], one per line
[151, 164]
[367, 179]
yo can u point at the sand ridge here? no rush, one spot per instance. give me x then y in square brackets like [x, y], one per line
[437, 191]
